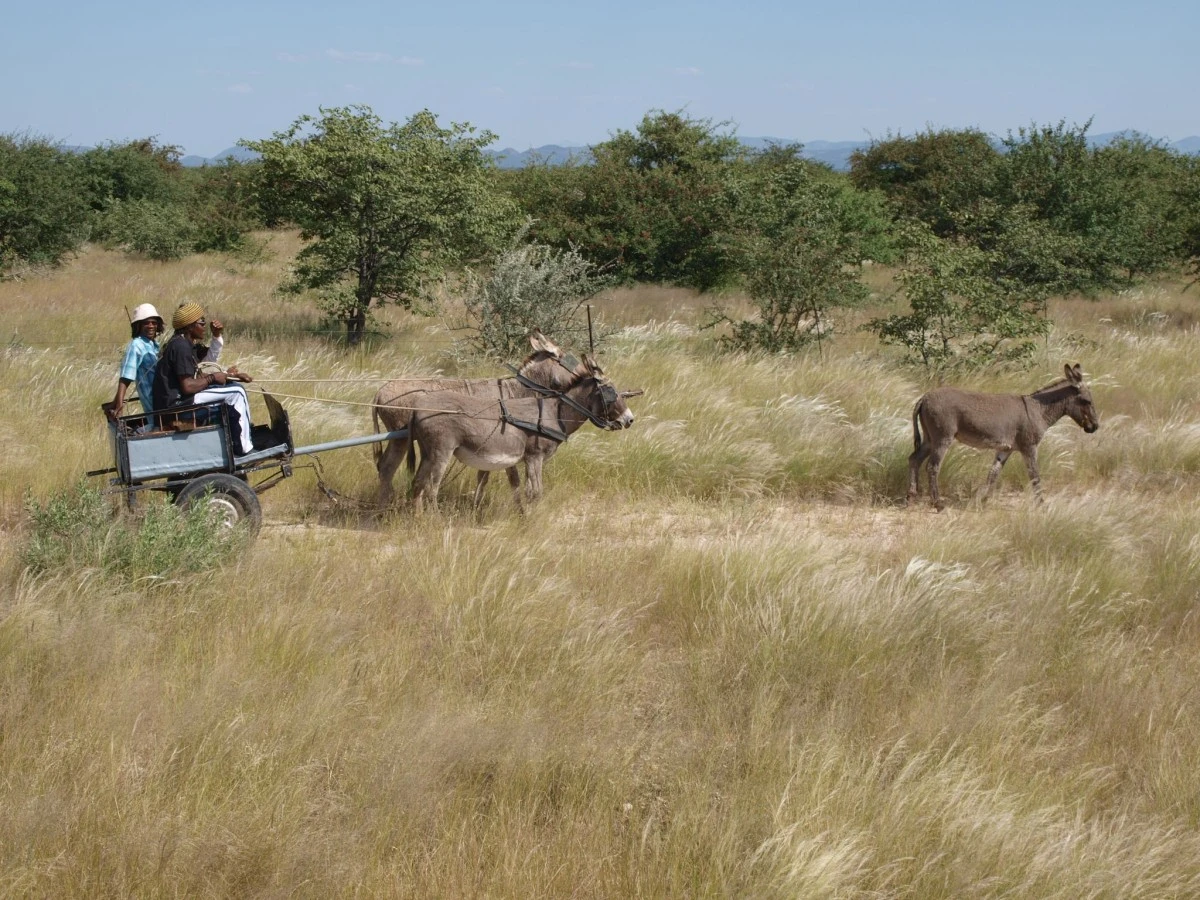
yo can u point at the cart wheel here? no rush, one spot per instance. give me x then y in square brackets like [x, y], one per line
[229, 499]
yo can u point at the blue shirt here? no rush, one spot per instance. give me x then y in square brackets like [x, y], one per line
[138, 366]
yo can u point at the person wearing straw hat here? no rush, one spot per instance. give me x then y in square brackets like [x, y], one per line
[141, 355]
[179, 382]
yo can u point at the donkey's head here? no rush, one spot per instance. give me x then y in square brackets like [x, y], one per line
[1079, 405]
[551, 366]
[600, 397]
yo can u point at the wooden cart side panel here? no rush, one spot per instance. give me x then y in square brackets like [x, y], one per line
[156, 455]
[144, 456]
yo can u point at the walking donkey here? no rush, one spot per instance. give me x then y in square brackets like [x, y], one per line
[548, 365]
[490, 434]
[1000, 422]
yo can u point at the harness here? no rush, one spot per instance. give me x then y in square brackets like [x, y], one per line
[607, 393]
[539, 427]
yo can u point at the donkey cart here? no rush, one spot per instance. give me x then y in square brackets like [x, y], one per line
[188, 453]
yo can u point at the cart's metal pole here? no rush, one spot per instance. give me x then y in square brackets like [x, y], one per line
[353, 442]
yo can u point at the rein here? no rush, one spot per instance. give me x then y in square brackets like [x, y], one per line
[541, 389]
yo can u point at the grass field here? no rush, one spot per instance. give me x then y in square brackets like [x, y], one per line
[721, 659]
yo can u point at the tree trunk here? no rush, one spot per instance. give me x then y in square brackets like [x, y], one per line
[356, 326]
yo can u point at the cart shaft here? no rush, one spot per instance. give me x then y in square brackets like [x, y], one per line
[397, 435]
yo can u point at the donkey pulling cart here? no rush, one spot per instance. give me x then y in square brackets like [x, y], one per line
[188, 452]
[191, 458]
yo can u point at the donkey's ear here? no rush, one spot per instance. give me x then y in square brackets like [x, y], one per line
[592, 365]
[539, 341]
[1074, 373]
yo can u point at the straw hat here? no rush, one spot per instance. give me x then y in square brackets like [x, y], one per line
[186, 315]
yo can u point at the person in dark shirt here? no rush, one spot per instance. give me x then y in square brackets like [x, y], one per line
[177, 381]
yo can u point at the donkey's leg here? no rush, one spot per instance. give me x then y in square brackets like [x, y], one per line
[429, 478]
[533, 478]
[481, 481]
[389, 462]
[419, 486]
[514, 482]
[993, 473]
[915, 459]
[1035, 478]
[936, 455]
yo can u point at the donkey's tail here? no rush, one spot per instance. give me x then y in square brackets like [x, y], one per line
[410, 454]
[917, 424]
[377, 447]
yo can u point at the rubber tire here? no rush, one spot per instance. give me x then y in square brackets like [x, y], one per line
[229, 498]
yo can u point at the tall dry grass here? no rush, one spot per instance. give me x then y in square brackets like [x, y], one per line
[718, 660]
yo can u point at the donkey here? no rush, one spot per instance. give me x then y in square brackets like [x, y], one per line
[548, 365]
[492, 434]
[1000, 422]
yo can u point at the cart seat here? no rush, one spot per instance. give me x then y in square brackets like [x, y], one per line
[270, 440]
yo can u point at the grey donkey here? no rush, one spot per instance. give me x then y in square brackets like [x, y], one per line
[547, 365]
[1000, 422]
[496, 434]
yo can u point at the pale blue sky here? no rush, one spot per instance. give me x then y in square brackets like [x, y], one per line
[537, 72]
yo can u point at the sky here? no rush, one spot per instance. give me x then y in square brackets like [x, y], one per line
[202, 76]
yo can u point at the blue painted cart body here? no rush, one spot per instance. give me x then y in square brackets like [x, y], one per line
[188, 452]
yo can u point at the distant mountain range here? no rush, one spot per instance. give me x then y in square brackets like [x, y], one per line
[835, 154]
[239, 153]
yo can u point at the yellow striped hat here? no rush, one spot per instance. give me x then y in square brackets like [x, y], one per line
[187, 314]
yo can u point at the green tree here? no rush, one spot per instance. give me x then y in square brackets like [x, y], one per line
[1186, 198]
[653, 204]
[799, 244]
[221, 204]
[1067, 216]
[142, 172]
[1063, 190]
[386, 209]
[661, 198]
[961, 311]
[935, 177]
[43, 214]
[1146, 230]
[142, 169]
[159, 231]
[554, 196]
[138, 198]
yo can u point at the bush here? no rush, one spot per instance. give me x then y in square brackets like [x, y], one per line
[221, 206]
[136, 170]
[653, 205]
[529, 286]
[43, 216]
[155, 230]
[75, 528]
[962, 310]
[798, 246]
[934, 177]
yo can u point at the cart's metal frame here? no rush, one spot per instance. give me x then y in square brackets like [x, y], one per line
[188, 452]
